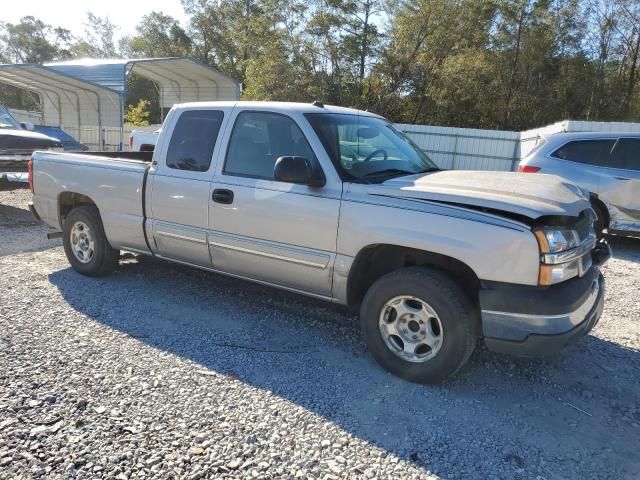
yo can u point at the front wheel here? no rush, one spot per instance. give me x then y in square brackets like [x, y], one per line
[86, 244]
[419, 324]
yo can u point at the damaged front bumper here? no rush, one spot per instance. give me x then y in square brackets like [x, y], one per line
[525, 320]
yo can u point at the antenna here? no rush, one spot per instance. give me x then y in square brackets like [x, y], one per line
[318, 104]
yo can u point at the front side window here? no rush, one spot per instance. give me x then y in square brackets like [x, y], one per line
[626, 154]
[590, 152]
[367, 148]
[193, 140]
[259, 139]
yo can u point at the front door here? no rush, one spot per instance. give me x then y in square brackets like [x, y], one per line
[271, 231]
[180, 185]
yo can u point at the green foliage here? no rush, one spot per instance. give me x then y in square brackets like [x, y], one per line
[98, 39]
[508, 64]
[32, 41]
[158, 35]
[138, 115]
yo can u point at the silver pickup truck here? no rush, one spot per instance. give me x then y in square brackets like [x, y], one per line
[337, 204]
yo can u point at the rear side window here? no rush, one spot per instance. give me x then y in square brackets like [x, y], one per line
[590, 152]
[259, 139]
[193, 140]
[626, 154]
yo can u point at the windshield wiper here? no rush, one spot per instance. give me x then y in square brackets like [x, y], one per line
[388, 171]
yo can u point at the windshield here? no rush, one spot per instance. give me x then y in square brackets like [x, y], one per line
[368, 148]
[6, 120]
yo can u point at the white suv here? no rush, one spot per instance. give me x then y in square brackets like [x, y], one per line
[607, 164]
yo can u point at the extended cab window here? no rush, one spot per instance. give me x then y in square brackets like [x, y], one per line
[259, 139]
[590, 152]
[626, 154]
[193, 140]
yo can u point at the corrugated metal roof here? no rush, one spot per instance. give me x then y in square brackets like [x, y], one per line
[108, 73]
[179, 79]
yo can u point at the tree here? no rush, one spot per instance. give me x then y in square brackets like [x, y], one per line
[98, 39]
[157, 35]
[139, 114]
[509, 64]
[33, 41]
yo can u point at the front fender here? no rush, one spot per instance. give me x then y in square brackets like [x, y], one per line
[495, 251]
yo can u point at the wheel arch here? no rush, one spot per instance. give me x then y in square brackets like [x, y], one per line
[67, 201]
[600, 205]
[376, 260]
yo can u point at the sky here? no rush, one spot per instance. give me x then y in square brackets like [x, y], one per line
[72, 14]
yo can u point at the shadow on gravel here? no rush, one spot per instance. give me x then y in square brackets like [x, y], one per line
[20, 232]
[625, 248]
[553, 418]
[13, 217]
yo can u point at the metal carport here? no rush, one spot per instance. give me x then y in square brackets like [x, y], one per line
[179, 79]
[67, 102]
[92, 92]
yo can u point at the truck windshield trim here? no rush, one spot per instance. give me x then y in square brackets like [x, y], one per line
[368, 149]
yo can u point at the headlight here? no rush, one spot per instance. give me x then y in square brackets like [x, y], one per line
[554, 241]
[560, 254]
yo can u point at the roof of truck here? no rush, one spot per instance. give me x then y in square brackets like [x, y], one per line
[280, 107]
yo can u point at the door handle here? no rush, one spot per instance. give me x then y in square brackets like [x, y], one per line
[222, 195]
[622, 178]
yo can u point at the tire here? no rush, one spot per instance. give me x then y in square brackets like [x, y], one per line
[456, 319]
[99, 257]
[601, 221]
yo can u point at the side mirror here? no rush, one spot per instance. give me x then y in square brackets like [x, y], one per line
[299, 170]
[27, 126]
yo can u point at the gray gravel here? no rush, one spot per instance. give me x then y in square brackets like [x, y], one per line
[160, 371]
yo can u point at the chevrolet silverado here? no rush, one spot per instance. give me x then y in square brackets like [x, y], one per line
[337, 204]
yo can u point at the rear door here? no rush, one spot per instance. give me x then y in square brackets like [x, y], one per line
[585, 162]
[621, 184]
[271, 231]
[180, 185]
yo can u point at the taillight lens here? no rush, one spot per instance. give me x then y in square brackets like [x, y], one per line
[528, 169]
[130, 141]
[30, 169]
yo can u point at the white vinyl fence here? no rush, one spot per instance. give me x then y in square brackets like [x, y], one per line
[473, 149]
[90, 136]
[450, 148]
[466, 148]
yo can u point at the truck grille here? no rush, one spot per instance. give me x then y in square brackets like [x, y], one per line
[584, 225]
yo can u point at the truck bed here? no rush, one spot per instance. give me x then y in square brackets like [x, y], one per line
[115, 181]
[13, 167]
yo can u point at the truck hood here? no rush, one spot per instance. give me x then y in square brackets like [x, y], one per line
[24, 141]
[529, 195]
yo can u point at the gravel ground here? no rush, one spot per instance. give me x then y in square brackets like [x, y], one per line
[160, 371]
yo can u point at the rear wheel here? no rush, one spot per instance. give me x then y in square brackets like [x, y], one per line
[419, 324]
[85, 243]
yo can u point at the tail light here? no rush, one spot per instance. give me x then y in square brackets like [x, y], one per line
[528, 169]
[130, 142]
[30, 176]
